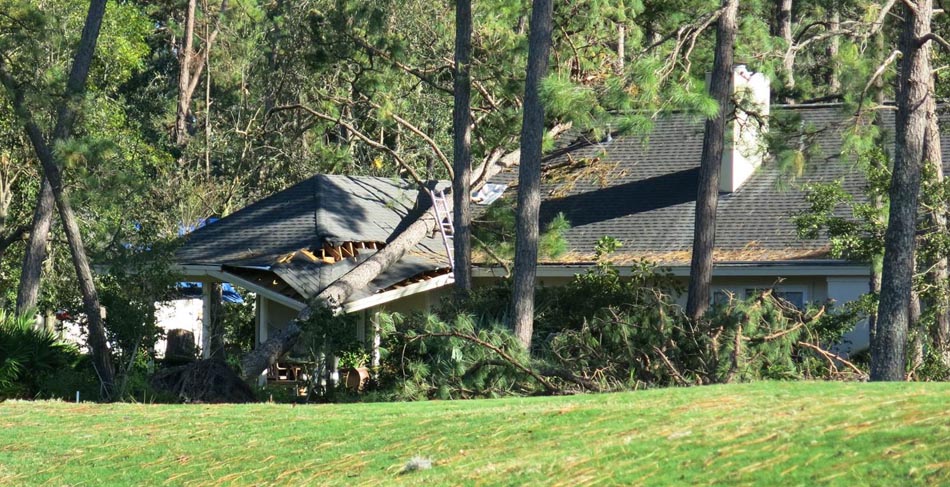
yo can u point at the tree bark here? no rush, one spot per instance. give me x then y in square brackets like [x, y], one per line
[621, 48]
[184, 75]
[529, 173]
[888, 354]
[707, 197]
[877, 261]
[783, 29]
[783, 21]
[834, 85]
[462, 149]
[31, 271]
[939, 276]
[190, 66]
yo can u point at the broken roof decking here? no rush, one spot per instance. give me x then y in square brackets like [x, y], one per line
[642, 191]
[273, 242]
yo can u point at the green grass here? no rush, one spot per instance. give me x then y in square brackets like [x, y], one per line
[764, 433]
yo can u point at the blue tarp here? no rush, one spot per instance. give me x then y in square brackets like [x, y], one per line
[193, 289]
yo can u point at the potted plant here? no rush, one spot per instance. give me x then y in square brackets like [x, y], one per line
[354, 371]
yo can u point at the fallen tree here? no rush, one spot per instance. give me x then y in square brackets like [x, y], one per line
[333, 297]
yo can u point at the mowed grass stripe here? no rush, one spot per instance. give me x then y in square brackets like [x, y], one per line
[772, 432]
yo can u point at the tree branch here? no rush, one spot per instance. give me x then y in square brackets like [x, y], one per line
[360, 135]
[829, 355]
[496, 162]
[501, 353]
[16, 234]
[421, 75]
[199, 58]
[933, 36]
[412, 128]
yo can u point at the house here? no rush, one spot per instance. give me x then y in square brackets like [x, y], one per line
[640, 190]
[290, 246]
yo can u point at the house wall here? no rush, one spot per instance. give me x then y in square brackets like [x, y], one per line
[843, 290]
[185, 314]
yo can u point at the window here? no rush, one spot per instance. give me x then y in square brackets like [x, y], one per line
[721, 297]
[794, 296]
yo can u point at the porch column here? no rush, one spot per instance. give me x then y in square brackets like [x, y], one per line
[263, 319]
[377, 338]
[206, 311]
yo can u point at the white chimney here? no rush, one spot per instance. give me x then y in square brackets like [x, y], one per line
[745, 145]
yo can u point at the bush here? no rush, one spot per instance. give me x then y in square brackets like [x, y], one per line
[425, 357]
[603, 332]
[30, 357]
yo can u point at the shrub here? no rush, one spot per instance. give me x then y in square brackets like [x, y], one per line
[603, 332]
[28, 356]
[425, 357]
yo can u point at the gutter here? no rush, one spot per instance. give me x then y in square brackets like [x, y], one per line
[722, 269]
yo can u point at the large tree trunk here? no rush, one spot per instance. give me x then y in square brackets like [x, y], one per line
[462, 153]
[32, 270]
[834, 85]
[877, 261]
[185, 91]
[938, 277]
[529, 173]
[783, 28]
[191, 64]
[888, 353]
[783, 20]
[707, 197]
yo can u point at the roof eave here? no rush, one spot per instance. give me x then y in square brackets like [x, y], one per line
[786, 268]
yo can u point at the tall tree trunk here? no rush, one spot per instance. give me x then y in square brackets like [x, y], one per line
[191, 64]
[185, 92]
[888, 354]
[621, 48]
[834, 85]
[783, 20]
[462, 149]
[32, 270]
[783, 28]
[66, 116]
[939, 276]
[529, 173]
[877, 261]
[707, 197]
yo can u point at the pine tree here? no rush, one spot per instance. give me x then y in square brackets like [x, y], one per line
[914, 93]
[529, 175]
[707, 198]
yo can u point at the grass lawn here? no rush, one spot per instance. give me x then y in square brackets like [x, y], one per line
[765, 433]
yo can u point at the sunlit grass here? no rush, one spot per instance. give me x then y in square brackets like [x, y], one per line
[765, 433]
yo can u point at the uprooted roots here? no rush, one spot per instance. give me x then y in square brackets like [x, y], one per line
[206, 381]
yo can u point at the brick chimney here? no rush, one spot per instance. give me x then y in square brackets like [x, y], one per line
[745, 146]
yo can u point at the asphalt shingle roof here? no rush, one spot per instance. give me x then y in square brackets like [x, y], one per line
[642, 190]
[324, 209]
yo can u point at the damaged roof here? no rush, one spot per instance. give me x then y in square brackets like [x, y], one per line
[641, 190]
[299, 240]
